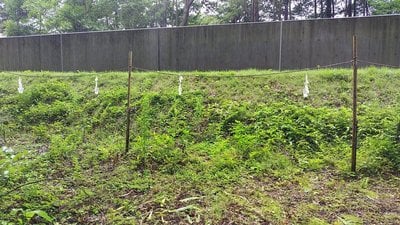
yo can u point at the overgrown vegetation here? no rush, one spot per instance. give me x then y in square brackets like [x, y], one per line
[242, 150]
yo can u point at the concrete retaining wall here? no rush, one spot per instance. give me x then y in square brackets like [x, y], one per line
[291, 44]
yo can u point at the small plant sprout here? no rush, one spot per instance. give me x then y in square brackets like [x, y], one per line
[20, 87]
[180, 85]
[96, 88]
[306, 91]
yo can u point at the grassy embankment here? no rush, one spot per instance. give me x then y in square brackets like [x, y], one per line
[228, 151]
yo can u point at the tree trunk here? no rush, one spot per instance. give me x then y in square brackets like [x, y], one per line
[116, 18]
[186, 10]
[366, 11]
[321, 2]
[255, 11]
[349, 9]
[175, 2]
[328, 12]
[278, 12]
[315, 9]
[163, 22]
[286, 10]
[354, 8]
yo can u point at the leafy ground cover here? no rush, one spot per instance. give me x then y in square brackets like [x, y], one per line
[229, 150]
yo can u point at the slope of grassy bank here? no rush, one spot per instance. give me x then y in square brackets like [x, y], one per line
[229, 150]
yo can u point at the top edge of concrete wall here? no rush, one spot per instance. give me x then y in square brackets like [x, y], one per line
[197, 26]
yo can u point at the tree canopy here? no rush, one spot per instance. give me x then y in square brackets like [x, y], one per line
[23, 17]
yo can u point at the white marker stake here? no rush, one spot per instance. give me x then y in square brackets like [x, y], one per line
[180, 85]
[20, 87]
[306, 91]
[96, 88]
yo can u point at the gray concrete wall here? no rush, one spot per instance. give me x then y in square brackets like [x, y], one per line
[321, 42]
[220, 47]
[305, 44]
[50, 53]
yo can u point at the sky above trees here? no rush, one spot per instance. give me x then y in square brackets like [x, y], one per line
[24, 17]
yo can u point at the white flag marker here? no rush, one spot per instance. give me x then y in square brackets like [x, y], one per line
[20, 87]
[306, 91]
[180, 85]
[96, 88]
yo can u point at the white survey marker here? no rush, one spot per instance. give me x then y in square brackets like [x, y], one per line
[20, 87]
[306, 91]
[180, 85]
[96, 88]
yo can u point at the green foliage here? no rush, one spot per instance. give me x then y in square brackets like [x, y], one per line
[38, 11]
[43, 16]
[40, 113]
[222, 151]
[22, 17]
[45, 103]
[349, 220]
[62, 146]
[46, 93]
[235, 11]
[381, 7]
[380, 144]
[158, 151]
[31, 216]
[108, 108]
[13, 28]
[17, 16]
[317, 221]
[267, 161]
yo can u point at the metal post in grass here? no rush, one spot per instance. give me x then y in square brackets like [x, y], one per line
[354, 131]
[128, 111]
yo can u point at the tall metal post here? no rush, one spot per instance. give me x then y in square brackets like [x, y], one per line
[354, 131]
[128, 111]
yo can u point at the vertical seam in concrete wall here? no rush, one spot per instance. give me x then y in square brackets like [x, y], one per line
[158, 50]
[61, 54]
[280, 47]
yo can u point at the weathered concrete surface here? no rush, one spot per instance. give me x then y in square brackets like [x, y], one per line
[321, 42]
[316, 42]
[237, 46]
[50, 54]
[220, 47]
[26, 50]
[22, 53]
[145, 49]
[9, 57]
[379, 39]
[99, 51]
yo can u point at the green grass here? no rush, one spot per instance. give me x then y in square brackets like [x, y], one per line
[229, 150]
